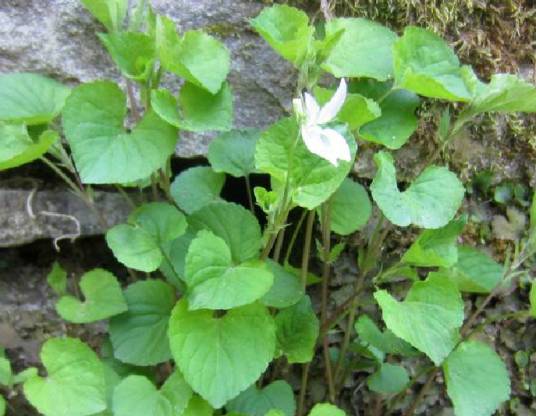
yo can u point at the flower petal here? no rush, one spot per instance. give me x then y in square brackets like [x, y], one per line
[334, 105]
[311, 109]
[337, 145]
[317, 144]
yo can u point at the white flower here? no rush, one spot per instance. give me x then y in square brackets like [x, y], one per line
[327, 143]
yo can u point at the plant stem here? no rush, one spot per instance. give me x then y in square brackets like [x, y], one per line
[307, 248]
[250, 197]
[326, 249]
[429, 382]
[132, 100]
[303, 388]
[294, 236]
[304, 272]
[279, 245]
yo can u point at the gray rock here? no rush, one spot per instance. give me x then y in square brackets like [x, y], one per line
[58, 38]
[25, 218]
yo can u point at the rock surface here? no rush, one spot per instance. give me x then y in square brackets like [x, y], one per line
[27, 216]
[58, 38]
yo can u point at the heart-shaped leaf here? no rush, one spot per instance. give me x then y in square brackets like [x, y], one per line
[221, 357]
[477, 379]
[426, 65]
[431, 200]
[103, 151]
[140, 244]
[257, 402]
[103, 299]
[436, 248]
[297, 331]
[30, 98]
[139, 335]
[286, 290]
[429, 317]
[133, 52]
[75, 385]
[287, 30]
[214, 283]
[234, 152]
[388, 379]
[18, 148]
[196, 187]
[235, 224]
[360, 39]
[197, 57]
[137, 396]
[196, 109]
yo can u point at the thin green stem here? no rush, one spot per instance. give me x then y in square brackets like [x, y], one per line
[307, 248]
[294, 236]
[326, 249]
[306, 252]
[250, 197]
[279, 245]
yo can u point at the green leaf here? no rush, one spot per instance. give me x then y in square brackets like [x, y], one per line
[139, 335]
[140, 244]
[111, 13]
[287, 30]
[103, 298]
[477, 379]
[436, 248]
[425, 64]
[356, 111]
[326, 409]
[297, 331]
[2, 405]
[532, 298]
[57, 279]
[137, 396]
[75, 385]
[133, 52]
[257, 402]
[234, 152]
[220, 357]
[175, 258]
[429, 317]
[350, 208]
[388, 379]
[312, 180]
[504, 94]
[198, 407]
[178, 392]
[235, 224]
[385, 341]
[475, 271]
[6, 374]
[30, 98]
[431, 201]
[24, 375]
[361, 39]
[196, 187]
[203, 111]
[397, 121]
[17, 147]
[196, 109]
[213, 281]
[286, 289]
[196, 57]
[102, 149]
